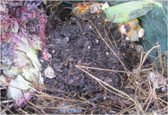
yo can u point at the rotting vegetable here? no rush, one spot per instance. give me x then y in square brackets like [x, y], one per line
[132, 30]
[23, 34]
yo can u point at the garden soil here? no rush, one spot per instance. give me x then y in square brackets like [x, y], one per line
[82, 41]
[74, 40]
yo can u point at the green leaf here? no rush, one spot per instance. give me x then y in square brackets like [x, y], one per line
[155, 25]
[31, 53]
[128, 11]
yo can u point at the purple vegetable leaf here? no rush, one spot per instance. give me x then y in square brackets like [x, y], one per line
[20, 42]
[36, 42]
[15, 27]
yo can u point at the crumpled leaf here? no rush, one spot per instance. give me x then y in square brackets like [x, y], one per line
[23, 52]
[20, 59]
[31, 74]
[15, 90]
[30, 19]
[22, 32]
[36, 42]
[12, 71]
[20, 42]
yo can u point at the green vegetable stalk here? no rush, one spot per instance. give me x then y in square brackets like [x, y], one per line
[128, 11]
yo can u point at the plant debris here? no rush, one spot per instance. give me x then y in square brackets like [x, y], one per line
[88, 65]
[23, 34]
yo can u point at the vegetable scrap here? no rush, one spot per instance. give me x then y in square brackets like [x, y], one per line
[22, 32]
[80, 8]
[92, 7]
[83, 71]
[157, 80]
[20, 96]
[45, 55]
[128, 11]
[132, 30]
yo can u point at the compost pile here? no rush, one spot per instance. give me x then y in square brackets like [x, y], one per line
[83, 50]
[76, 42]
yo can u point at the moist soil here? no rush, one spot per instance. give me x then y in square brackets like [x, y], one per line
[74, 40]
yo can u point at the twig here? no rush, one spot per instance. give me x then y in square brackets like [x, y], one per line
[136, 103]
[111, 35]
[6, 101]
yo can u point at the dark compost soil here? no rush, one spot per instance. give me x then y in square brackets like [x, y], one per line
[85, 42]
[72, 42]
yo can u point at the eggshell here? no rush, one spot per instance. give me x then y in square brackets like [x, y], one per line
[49, 72]
[141, 33]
